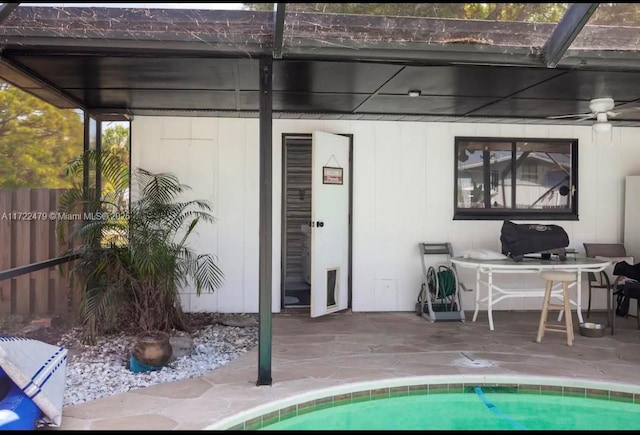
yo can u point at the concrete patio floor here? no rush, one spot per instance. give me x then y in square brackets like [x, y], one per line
[310, 354]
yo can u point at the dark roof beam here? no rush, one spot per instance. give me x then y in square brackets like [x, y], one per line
[428, 55]
[377, 91]
[278, 30]
[6, 9]
[566, 31]
[29, 81]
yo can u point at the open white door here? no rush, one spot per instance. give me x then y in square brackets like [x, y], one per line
[330, 223]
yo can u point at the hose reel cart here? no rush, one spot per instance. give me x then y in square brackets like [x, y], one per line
[439, 296]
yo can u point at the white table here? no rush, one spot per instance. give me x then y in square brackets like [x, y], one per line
[485, 269]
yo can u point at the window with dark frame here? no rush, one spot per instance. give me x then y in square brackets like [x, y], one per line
[501, 178]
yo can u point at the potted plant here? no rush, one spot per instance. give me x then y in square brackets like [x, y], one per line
[134, 260]
[152, 350]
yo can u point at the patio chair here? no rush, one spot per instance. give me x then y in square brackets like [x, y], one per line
[606, 279]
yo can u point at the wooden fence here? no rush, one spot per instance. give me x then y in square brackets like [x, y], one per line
[28, 235]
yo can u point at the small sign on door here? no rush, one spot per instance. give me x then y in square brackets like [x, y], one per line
[331, 175]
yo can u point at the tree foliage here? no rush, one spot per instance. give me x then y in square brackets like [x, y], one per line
[621, 14]
[37, 140]
[115, 139]
[524, 12]
[115, 145]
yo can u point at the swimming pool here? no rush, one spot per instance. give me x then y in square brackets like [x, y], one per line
[452, 403]
[497, 408]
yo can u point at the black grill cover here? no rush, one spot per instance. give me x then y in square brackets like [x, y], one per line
[520, 239]
[622, 268]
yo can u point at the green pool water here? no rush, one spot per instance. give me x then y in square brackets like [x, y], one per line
[471, 410]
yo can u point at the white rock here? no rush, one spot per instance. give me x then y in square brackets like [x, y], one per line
[94, 372]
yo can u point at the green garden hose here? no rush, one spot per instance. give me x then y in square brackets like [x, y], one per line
[446, 282]
[442, 286]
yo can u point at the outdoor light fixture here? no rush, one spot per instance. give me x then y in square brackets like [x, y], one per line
[601, 133]
[601, 127]
[414, 93]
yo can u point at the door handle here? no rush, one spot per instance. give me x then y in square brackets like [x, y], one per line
[320, 224]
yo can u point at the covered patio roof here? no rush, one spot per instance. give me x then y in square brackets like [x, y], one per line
[148, 61]
[289, 62]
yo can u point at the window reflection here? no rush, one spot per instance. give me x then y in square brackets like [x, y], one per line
[544, 183]
[543, 176]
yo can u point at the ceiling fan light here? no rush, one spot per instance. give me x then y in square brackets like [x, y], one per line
[602, 127]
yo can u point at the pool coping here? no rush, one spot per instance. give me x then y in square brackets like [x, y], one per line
[268, 413]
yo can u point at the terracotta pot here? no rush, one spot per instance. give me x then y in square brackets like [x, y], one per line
[152, 348]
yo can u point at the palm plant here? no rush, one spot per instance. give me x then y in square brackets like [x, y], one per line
[133, 262]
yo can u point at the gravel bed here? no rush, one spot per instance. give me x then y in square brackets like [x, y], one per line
[94, 372]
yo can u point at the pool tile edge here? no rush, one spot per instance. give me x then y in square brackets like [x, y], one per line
[425, 385]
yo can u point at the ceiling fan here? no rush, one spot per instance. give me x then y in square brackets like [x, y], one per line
[601, 111]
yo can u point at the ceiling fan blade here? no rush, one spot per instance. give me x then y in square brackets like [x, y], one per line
[621, 110]
[579, 116]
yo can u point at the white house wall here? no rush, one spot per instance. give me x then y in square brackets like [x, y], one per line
[402, 195]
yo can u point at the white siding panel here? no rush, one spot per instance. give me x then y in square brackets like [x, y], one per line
[536, 130]
[231, 208]
[413, 211]
[251, 260]
[192, 161]
[608, 192]
[185, 302]
[562, 131]
[629, 151]
[622, 160]
[172, 155]
[468, 130]
[176, 128]
[363, 219]
[583, 230]
[203, 303]
[385, 295]
[402, 195]
[511, 130]
[487, 130]
[388, 218]
[438, 195]
[204, 128]
[199, 174]
[632, 209]
[145, 137]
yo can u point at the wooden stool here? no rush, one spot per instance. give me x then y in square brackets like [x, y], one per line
[565, 277]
